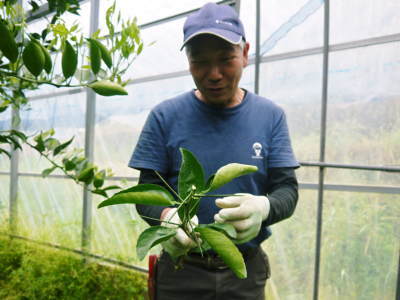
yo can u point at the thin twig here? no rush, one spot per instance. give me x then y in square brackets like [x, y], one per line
[166, 183]
[39, 81]
[154, 219]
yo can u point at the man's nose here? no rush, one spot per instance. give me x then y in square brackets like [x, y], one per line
[215, 73]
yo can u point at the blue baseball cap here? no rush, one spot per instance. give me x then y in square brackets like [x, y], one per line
[219, 20]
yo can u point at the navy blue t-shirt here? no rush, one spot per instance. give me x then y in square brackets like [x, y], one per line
[254, 132]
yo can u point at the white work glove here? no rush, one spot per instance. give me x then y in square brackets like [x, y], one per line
[179, 244]
[245, 212]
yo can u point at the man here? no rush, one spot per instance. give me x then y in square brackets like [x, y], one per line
[220, 123]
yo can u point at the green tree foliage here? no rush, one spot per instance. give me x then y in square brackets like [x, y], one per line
[29, 60]
[192, 186]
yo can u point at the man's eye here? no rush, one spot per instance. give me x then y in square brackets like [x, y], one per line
[227, 58]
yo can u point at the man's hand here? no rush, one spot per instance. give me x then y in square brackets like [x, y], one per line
[245, 212]
[180, 244]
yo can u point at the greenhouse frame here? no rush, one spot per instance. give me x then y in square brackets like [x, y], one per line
[333, 66]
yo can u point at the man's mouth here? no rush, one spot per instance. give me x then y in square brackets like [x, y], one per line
[215, 90]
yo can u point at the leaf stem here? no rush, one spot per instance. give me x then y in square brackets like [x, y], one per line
[166, 183]
[155, 219]
[11, 74]
[53, 162]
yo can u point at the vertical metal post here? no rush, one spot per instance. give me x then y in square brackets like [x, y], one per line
[89, 138]
[257, 58]
[237, 6]
[13, 221]
[398, 280]
[322, 148]
[14, 166]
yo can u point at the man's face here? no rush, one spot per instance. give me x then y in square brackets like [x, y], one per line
[216, 67]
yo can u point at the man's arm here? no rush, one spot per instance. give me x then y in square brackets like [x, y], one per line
[151, 211]
[282, 192]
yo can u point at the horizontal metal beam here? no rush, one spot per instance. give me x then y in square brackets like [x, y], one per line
[160, 77]
[332, 48]
[42, 11]
[366, 42]
[76, 251]
[178, 16]
[353, 188]
[69, 91]
[351, 166]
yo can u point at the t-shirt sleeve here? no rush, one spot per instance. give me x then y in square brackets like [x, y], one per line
[150, 151]
[280, 152]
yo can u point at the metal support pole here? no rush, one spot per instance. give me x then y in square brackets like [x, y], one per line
[89, 138]
[13, 221]
[257, 57]
[322, 149]
[398, 280]
[14, 163]
[237, 6]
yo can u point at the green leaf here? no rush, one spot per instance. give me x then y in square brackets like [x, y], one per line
[19, 134]
[51, 143]
[15, 143]
[226, 174]
[105, 54]
[62, 147]
[73, 28]
[68, 164]
[80, 163]
[69, 60]
[112, 187]
[191, 174]
[5, 152]
[140, 48]
[95, 56]
[39, 143]
[225, 249]
[86, 175]
[48, 171]
[150, 194]
[100, 192]
[227, 229]
[152, 236]
[47, 133]
[4, 139]
[34, 5]
[109, 13]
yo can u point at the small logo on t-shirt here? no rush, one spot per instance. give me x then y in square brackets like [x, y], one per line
[257, 147]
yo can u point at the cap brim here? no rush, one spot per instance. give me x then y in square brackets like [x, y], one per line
[226, 35]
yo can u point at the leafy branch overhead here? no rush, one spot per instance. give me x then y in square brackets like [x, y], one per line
[192, 186]
[71, 162]
[59, 55]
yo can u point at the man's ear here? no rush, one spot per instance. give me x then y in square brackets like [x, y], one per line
[246, 54]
